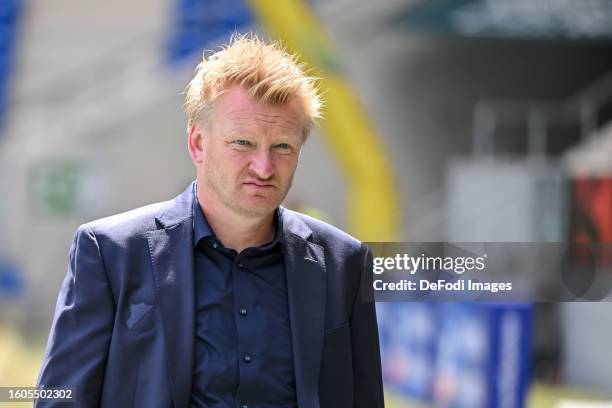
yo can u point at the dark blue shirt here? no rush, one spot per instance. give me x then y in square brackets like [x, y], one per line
[243, 354]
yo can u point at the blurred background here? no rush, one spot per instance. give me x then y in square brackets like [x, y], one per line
[446, 120]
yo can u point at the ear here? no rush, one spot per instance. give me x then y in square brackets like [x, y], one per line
[195, 143]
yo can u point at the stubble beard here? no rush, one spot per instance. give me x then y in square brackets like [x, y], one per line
[219, 185]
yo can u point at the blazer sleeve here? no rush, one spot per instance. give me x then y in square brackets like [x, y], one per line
[78, 343]
[367, 374]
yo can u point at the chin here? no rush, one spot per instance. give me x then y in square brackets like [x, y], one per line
[256, 209]
[255, 212]
[255, 205]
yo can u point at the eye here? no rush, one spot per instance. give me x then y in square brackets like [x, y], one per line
[241, 144]
[284, 147]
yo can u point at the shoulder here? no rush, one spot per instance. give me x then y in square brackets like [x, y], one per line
[147, 218]
[127, 224]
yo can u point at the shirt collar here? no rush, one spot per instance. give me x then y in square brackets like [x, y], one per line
[201, 228]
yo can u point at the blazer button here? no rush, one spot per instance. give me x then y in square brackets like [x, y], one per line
[246, 357]
[243, 311]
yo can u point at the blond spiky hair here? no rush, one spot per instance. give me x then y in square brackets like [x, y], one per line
[266, 70]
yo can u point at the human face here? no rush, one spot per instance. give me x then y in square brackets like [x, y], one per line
[247, 152]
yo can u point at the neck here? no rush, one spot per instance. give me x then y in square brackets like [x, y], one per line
[235, 230]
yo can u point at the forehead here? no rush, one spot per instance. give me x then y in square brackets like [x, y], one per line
[236, 110]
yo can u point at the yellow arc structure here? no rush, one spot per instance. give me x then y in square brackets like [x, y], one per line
[373, 205]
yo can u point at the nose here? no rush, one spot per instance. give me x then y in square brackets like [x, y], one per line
[262, 164]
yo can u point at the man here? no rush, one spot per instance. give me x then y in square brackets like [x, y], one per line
[221, 297]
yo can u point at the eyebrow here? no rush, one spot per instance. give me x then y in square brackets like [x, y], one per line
[240, 132]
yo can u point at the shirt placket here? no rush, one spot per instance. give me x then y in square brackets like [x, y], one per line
[246, 332]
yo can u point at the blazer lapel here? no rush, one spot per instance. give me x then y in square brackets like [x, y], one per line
[171, 251]
[306, 288]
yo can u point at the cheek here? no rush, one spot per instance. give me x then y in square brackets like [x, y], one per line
[286, 166]
[234, 166]
[232, 159]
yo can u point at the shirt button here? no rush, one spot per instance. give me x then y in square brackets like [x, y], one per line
[244, 406]
[243, 311]
[215, 245]
[246, 357]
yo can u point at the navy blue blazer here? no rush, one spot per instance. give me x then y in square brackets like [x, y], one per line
[123, 330]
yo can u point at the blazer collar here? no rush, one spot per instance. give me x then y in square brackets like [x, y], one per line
[177, 210]
[180, 209]
[292, 224]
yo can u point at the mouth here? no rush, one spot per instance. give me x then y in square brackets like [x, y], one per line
[262, 186]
